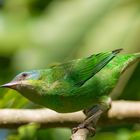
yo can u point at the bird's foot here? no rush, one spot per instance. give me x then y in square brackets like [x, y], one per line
[91, 129]
[90, 122]
[93, 115]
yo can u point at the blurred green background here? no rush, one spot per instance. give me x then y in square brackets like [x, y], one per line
[37, 33]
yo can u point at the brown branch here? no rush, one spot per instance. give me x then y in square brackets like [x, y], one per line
[81, 134]
[121, 112]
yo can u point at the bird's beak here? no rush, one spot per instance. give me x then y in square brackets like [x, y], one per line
[9, 85]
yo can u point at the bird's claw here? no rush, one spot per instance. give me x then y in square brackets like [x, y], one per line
[91, 129]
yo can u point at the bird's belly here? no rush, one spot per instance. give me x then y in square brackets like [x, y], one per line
[65, 104]
[62, 104]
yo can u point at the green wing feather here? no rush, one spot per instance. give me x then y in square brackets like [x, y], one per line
[81, 70]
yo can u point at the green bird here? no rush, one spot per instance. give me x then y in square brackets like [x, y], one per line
[82, 84]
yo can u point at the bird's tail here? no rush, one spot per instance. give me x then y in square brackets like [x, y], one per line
[127, 60]
[137, 55]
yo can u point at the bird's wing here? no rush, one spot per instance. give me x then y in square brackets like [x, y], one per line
[81, 70]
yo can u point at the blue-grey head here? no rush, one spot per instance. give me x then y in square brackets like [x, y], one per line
[23, 79]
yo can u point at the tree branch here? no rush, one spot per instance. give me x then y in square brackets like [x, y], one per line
[120, 112]
[81, 134]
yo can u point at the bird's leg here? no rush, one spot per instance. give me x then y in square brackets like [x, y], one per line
[90, 122]
[93, 114]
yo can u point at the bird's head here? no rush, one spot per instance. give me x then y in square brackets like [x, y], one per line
[23, 80]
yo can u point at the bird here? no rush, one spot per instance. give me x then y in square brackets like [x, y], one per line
[80, 84]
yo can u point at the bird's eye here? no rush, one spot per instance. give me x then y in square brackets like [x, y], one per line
[24, 75]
